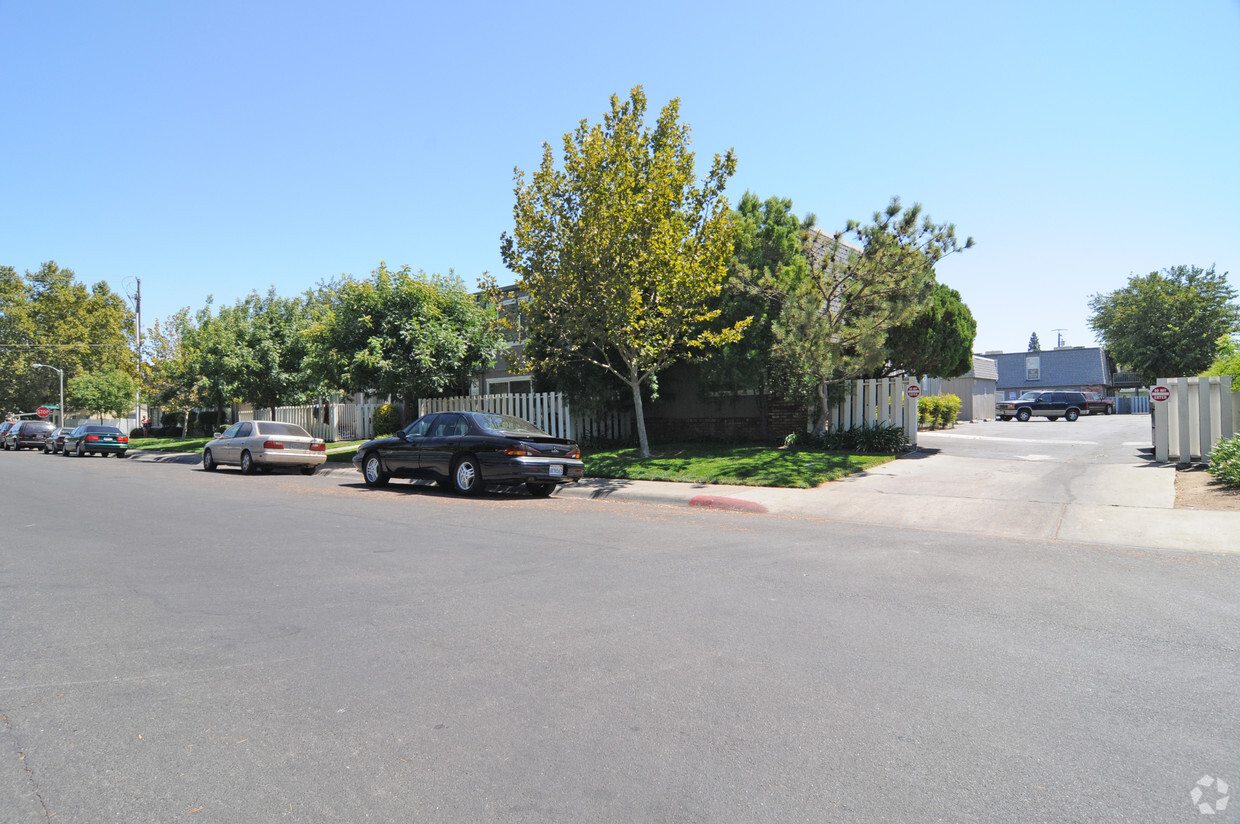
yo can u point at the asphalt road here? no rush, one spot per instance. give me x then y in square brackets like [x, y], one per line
[184, 646]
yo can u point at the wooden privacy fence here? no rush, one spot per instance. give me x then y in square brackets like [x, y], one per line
[874, 402]
[546, 410]
[1196, 414]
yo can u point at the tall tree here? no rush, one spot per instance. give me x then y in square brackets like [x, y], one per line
[172, 374]
[108, 390]
[1166, 324]
[47, 316]
[1035, 345]
[399, 333]
[937, 341]
[834, 324]
[268, 344]
[768, 256]
[622, 252]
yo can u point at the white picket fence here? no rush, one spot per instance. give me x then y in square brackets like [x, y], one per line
[881, 401]
[344, 421]
[549, 411]
[1199, 413]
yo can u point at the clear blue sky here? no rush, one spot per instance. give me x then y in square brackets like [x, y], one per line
[224, 147]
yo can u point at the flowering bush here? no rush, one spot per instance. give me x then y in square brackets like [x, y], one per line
[1225, 461]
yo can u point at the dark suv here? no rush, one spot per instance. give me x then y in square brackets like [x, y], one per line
[1054, 404]
[28, 434]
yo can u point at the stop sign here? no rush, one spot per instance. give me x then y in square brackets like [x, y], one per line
[914, 391]
[42, 411]
[1160, 393]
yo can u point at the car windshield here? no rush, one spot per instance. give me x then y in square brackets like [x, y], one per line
[508, 425]
[102, 430]
[1029, 396]
[279, 428]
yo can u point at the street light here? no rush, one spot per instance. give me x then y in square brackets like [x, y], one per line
[60, 372]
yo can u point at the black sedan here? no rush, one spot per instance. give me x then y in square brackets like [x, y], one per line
[95, 439]
[467, 450]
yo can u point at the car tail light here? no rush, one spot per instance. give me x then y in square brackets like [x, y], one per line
[92, 437]
[272, 445]
[123, 439]
[574, 453]
[517, 451]
[318, 447]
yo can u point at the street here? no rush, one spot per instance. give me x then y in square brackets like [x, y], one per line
[185, 646]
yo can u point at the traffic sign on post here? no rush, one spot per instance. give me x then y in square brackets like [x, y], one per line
[1160, 393]
[914, 391]
[43, 411]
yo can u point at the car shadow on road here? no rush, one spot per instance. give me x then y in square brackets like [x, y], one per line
[431, 489]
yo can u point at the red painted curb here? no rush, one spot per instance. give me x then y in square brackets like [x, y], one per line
[729, 504]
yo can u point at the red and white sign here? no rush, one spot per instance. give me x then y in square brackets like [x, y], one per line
[1160, 393]
[914, 391]
[42, 411]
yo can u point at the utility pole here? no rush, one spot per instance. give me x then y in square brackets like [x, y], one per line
[1059, 345]
[137, 335]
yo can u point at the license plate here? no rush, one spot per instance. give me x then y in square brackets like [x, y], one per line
[555, 469]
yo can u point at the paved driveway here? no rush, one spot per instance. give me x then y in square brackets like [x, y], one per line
[1091, 481]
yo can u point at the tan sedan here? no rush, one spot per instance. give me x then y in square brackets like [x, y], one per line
[263, 446]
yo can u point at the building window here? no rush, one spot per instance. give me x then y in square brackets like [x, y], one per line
[510, 386]
[1033, 369]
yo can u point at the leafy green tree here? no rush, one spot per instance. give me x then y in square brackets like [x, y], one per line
[399, 333]
[1035, 345]
[834, 324]
[264, 363]
[1166, 324]
[937, 341]
[172, 376]
[768, 256]
[1226, 358]
[47, 316]
[106, 391]
[621, 252]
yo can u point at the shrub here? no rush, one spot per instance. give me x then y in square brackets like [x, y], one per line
[386, 420]
[1225, 461]
[207, 420]
[938, 411]
[949, 408]
[137, 433]
[878, 439]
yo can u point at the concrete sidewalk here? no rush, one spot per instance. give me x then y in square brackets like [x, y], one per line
[1117, 504]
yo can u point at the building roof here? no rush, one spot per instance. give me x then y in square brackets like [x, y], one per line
[1058, 368]
[984, 369]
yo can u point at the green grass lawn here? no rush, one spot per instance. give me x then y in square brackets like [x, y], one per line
[719, 464]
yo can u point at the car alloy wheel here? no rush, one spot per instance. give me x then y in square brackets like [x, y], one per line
[372, 470]
[208, 461]
[466, 478]
[1023, 415]
[1071, 415]
[247, 463]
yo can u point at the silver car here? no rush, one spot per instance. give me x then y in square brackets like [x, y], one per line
[263, 446]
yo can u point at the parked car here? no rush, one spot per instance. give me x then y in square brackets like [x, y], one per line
[1054, 404]
[56, 440]
[4, 430]
[25, 434]
[263, 446]
[1098, 405]
[95, 439]
[467, 450]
